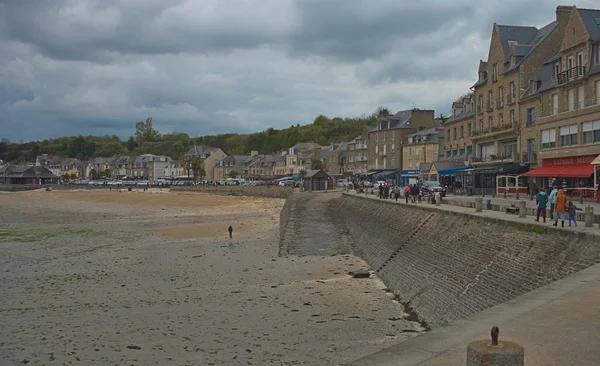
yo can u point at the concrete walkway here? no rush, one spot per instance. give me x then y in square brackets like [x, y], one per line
[558, 324]
[498, 215]
[530, 203]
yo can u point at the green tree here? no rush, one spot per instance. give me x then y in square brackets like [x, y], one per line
[106, 173]
[316, 164]
[195, 165]
[144, 131]
[302, 174]
[94, 174]
[233, 174]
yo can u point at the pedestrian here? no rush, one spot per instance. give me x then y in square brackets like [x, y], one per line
[572, 211]
[560, 207]
[407, 192]
[396, 193]
[414, 193]
[553, 201]
[230, 231]
[541, 200]
[380, 190]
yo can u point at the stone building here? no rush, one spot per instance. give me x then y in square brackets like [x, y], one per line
[562, 135]
[458, 129]
[356, 156]
[516, 53]
[419, 148]
[385, 139]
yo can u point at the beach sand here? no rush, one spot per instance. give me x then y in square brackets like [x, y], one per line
[152, 278]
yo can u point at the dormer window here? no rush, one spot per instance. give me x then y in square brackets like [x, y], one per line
[495, 73]
[512, 43]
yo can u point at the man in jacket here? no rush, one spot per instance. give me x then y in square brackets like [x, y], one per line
[541, 201]
[552, 199]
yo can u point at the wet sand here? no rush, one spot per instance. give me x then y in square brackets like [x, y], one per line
[143, 278]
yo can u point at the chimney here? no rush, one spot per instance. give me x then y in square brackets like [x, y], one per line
[563, 13]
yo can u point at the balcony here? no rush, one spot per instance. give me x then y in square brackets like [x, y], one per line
[503, 157]
[571, 74]
[554, 111]
[493, 131]
[529, 158]
[383, 166]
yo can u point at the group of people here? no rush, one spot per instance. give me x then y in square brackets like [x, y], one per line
[559, 206]
[412, 192]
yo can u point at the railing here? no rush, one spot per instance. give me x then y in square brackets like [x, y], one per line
[493, 129]
[571, 74]
[382, 166]
[529, 157]
[496, 157]
[548, 112]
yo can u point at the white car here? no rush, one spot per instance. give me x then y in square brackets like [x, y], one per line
[378, 183]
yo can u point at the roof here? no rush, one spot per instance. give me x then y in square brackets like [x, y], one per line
[591, 21]
[200, 150]
[311, 173]
[524, 49]
[521, 34]
[429, 131]
[401, 119]
[425, 167]
[28, 171]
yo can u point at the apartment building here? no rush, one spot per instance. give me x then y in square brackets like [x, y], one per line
[565, 136]
[210, 156]
[515, 55]
[385, 139]
[423, 147]
[335, 159]
[356, 156]
[458, 129]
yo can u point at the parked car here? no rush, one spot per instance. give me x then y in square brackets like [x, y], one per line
[432, 187]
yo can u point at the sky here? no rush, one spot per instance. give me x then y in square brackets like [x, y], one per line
[71, 67]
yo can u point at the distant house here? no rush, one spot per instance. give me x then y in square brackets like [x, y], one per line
[27, 174]
[317, 180]
[210, 156]
[237, 163]
[151, 167]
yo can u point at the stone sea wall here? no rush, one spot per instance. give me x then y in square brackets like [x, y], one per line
[269, 192]
[446, 266]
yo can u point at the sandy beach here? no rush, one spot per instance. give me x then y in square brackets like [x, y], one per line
[152, 278]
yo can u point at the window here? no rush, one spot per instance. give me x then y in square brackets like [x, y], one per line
[580, 63]
[461, 152]
[501, 119]
[462, 131]
[511, 91]
[509, 147]
[554, 103]
[591, 131]
[469, 129]
[512, 116]
[480, 106]
[424, 154]
[448, 134]
[580, 97]
[485, 150]
[510, 43]
[568, 135]
[531, 117]
[598, 91]
[448, 154]
[548, 138]
[501, 97]
[556, 70]
[495, 73]
[490, 99]
[571, 99]
[596, 54]
[454, 133]
[469, 150]
[490, 122]
[481, 125]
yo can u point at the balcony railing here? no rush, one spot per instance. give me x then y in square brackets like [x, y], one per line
[493, 129]
[529, 157]
[382, 166]
[512, 156]
[548, 112]
[571, 74]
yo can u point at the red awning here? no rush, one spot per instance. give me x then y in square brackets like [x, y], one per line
[560, 171]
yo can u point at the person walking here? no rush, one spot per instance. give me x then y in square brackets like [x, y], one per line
[414, 193]
[572, 209]
[541, 200]
[560, 207]
[552, 201]
[396, 193]
[407, 192]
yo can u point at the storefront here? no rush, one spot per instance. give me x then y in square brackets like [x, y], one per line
[410, 177]
[392, 177]
[483, 179]
[574, 173]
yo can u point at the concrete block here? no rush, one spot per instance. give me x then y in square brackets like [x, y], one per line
[589, 216]
[522, 209]
[478, 204]
[483, 353]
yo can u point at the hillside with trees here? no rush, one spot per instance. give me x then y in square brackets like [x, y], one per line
[147, 140]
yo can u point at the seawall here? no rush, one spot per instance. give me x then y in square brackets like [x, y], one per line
[448, 265]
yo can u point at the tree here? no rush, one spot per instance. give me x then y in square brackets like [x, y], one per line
[302, 174]
[106, 173]
[94, 174]
[195, 165]
[131, 144]
[144, 131]
[316, 164]
[233, 174]
[382, 111]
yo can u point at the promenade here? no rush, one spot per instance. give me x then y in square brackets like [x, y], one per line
[557, 324]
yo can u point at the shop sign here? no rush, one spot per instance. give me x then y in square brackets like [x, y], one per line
[587, 159]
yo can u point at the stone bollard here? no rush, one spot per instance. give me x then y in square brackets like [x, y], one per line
[478, 204]
[438, 199]
[495, 353]
[489, 205]
[589, 216]
[518, 194]
[522, 209]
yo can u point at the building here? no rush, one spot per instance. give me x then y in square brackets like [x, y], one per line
[150, 166]
[61, 166]
[121, 166]
[384, 151]
[562, 135]
[317, 180]
[356, 156]
[27, 174]
[419, 148]
[210, 156]
[335, 159]
[515, 54]
[177, 168]
[97, 166]
[458, 128]
[233, 163]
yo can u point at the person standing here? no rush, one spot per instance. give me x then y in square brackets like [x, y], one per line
[541, 200]
[396, 193]
[414, 193]
[407, 192]
[572, 209]
[553, 201]
[560, 208]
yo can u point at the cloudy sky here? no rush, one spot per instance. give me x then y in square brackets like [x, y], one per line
[213, 66]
